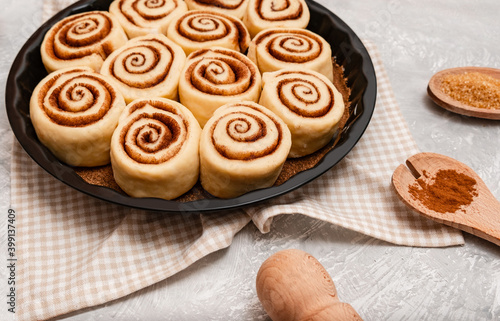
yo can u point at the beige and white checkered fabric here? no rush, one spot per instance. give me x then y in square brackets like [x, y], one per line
[357, 194]
[75, 251]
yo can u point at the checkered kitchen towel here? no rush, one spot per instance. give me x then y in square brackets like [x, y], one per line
[75, 251]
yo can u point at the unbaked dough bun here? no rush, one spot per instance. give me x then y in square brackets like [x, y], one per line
[206, 29]
[147, 66]
[242, 148]
[214, 77]
[142, 17]
[276, 49]
[308, 103]
[155, 149]
[84, 39]
[265, 14]
[74, 112]
[235, 8]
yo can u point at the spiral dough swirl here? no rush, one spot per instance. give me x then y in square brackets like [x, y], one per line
[266, 14]
[299, 47]
[245, 136]
[142, 17]
[308, 103]
[235, 8]
[154, 137]
[147, 66]
[84, 39]
[80, 100]
[212, 78]
[304, 97]
[277, 49]
[74, 112]
[205, 29]
[154, 150]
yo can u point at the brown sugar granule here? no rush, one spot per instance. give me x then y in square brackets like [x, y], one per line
[101, 176]
[446, 192]
[474, 89]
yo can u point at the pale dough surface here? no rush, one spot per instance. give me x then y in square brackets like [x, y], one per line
[266, 14]
[308, 103]
[200, 29]
[276, 49]
[143, 17]
[243, 148]
[236, 8]
[154, 149]
[147, 66]
[73, 121]
[212, 78]
[62, 45]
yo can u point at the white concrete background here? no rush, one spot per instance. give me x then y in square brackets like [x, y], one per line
[381, 281]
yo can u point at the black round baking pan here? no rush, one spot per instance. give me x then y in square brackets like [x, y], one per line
[27, 70]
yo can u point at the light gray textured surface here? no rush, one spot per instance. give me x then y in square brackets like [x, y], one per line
[381, 281]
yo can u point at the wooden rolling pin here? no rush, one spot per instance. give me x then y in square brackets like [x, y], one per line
[293, 286]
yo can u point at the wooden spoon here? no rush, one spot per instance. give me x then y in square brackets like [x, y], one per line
[448, 103]
[480, 218]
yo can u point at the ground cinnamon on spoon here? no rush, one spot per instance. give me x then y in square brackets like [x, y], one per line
[474, 89]
[447, 192]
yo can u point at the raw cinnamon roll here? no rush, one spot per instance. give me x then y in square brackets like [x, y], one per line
[235, 8]
[142, 17]
[242, 148]
[154, 149]
[214, 77]
[206, 29]
[266, 14]
[84, 39]
[74, 112]
[147, 66]
[277, 49]
[308, 103]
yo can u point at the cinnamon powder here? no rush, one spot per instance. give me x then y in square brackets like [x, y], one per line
[447, 192]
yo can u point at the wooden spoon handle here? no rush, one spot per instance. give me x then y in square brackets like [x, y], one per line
[481, 218]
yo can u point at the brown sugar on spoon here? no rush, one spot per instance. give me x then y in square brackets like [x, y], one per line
[468, 91]
[473, 88]
[446, 192]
